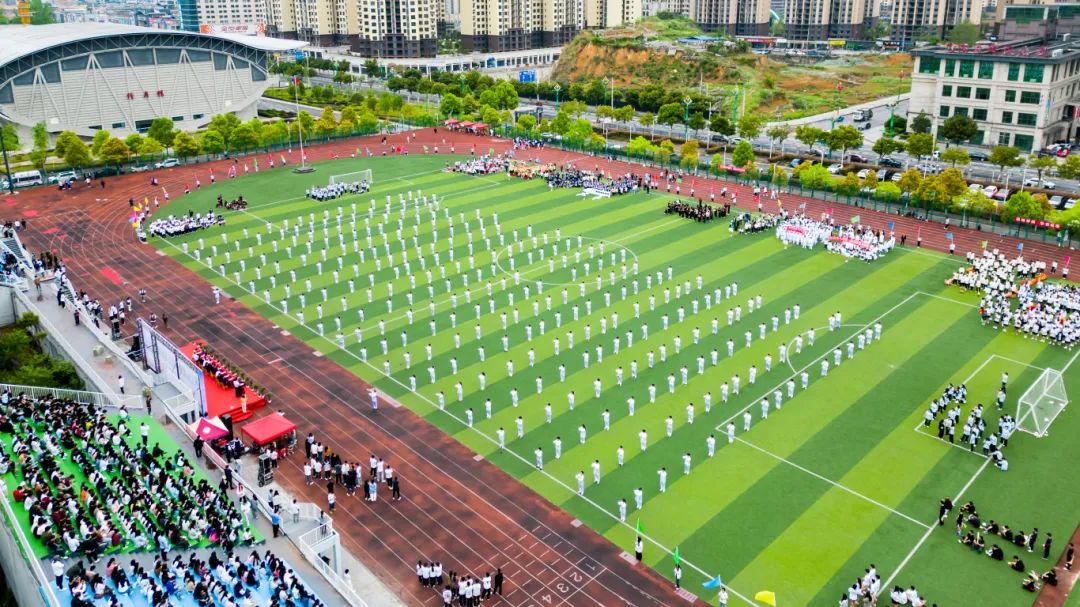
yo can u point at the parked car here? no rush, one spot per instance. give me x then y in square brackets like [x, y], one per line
[928, 168]
[142, 168]
[796, 162]
[835, 169]
[891, 163]
[896, 176]
[63, 177]
[1062, 152]
[857, 158]
[990, 190]
[978, 156]
[863, 173]
[1033, 182]
[974, 188]
[167, 163]
[1070, 203]
[1058, 202]
[881, 173]
[1002, 194]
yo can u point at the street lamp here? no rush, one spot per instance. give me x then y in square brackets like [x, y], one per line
[686, 116]
[558, 88]
[461, 79]
[611, 83]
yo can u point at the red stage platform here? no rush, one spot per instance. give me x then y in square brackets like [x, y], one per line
[221, 400]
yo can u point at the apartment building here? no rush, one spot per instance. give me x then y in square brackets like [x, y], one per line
[913, 20]
[223, 16]
[732, 17]
[396, 28]
[1023, 93]
[825, 19]
[512, 25]
[611, 13]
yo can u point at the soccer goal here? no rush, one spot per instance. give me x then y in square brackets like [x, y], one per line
[354, 177]
[1043, 401]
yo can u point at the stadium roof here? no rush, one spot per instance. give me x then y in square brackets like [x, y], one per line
[19, 40]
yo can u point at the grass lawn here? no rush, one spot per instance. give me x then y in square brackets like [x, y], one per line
[800, 504]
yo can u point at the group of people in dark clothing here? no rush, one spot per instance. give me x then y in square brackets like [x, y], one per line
[239, 204]
[970, 529]
[699, 211]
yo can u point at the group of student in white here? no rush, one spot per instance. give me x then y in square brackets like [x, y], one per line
[1017, 294]
[850, 241]
[946, 411]
[866, 590]
[332, 191]
[175, 226]
[481, 165]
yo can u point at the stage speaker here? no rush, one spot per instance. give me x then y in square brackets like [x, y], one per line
[226, 420]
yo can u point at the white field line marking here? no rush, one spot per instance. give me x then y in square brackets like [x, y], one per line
[569, 490]
[832, 482]
[930, 529]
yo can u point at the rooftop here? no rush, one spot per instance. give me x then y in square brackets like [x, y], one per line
[18, 41]
[1034, 50]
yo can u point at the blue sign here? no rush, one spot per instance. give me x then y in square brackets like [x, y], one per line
[298, 55]
[527, 76]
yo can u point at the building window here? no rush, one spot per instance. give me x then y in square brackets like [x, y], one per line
[1014, 72]
[950, 67]
[1010, 96]
[1033, 72]
[986, 70]
[1006, 117]
[118, 125]
[1003, 138]
[946, 90]
[943, 111]
[1029, 97]
[982, 93]
[1024, 142]
[1024, 119]
[177, 118]
[978, 114]
[978, 138]
[961, 111]
[964, 92]
[967, 69]
[196, 116]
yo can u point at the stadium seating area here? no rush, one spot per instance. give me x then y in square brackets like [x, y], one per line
[90, 484]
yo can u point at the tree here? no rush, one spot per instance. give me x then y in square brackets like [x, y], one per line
[809, 135]
[779, 133]
[574, 108]
[870, 181]
[776, 29]
[99, 140]
[743, 154]
[11, 138]
[1041, 164]
[974, 202]
[371, 68]
[625, 113]
[185, 145]
[243, 137]
[815, 177]
[1022, 204]
[721, 124]
[921, 123]
[224, 124]
[688, 154]
[670, 114]
[844, 137]
[958, 129]
[114, 151]
[450, 105]
[150, 147]
[63, 140]
[304, 123]
[162, 130]
[41, 146]
[665, 150]
[134, 142]
[964, 33]
[920, 144]
[910, 180]
[76, 153]
[750, 126]
[640, 147]
[368, 122]
[848, 184]
[895, 125]
[327, 123]
[697, 122]
[561, 123]
[955, 156]
[213, 142]
[1005, 156]
[885, 146]
[1069, 168]
[526, 122]
[41, 13]
[889, 192]
[647, 120]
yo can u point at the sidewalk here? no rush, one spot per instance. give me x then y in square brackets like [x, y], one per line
[826, 116]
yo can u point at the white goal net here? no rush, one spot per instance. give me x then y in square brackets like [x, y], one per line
[354, 177]
[1043, 401]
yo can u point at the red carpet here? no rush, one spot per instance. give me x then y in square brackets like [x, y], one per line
[221, 400]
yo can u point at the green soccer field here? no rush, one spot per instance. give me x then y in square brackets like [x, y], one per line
[840, 477]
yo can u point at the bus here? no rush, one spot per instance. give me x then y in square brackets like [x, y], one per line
[23, 179]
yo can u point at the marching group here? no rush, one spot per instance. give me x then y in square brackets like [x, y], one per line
[849, 241]
[974, 431]
[332, 191]
[175, 226]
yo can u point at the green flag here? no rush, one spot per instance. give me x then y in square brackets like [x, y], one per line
[854, 219]
[640, 528]
[675, 555]
[984, 243]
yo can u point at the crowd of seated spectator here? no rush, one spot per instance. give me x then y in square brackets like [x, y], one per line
[128, 494]
[970, 528]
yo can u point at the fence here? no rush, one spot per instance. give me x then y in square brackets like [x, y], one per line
[312, 544]
[23, 568]
[86, 397]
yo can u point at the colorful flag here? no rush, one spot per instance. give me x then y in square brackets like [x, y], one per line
[713, 584]
[802, 206]
[255, 161]
[675, 555]
[984, 243]
[296, 80]
[892, 225]
[639, 528]
[829, 211]
[766, 596]
[1019, 246]
[948, 235]
[1065, 260]
[854, 218]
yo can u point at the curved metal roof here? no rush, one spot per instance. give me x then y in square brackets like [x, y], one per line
[19, 41]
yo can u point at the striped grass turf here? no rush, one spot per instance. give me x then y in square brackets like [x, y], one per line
[836, 480]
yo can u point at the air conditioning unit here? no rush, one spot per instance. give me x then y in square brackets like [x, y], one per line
[1066, 37]
[1057, 52]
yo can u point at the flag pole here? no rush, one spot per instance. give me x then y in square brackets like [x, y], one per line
[303, 168]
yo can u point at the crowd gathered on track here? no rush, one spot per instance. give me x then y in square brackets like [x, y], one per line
[333, 191]
[184, 224]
